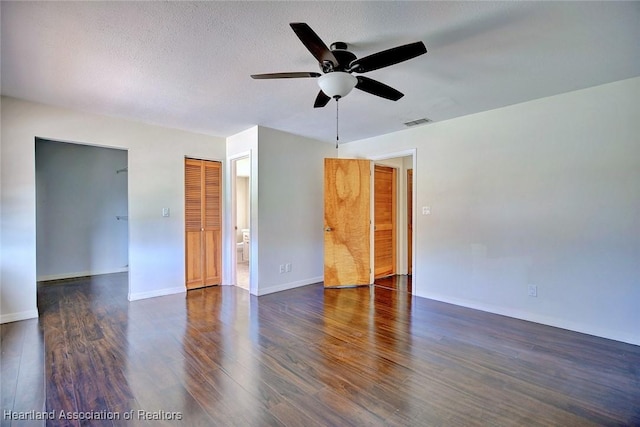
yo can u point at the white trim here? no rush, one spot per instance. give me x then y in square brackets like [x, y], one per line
[88, 144]
[403, 153]
[231, 277]
[223, 219]
[157, 293]
[414, 221]
[372, 222]
[239, 156]
[290, 285]
[16, 317]
[75, 275]
[536, 318]
[413, 152]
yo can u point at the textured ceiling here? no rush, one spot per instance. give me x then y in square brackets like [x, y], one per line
[187, 64]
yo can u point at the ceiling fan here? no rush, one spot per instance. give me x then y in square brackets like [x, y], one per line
[338, 64]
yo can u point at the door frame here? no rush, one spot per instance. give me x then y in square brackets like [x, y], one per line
[396, 185]
[232, 277]
[222, 216]
[402, 250]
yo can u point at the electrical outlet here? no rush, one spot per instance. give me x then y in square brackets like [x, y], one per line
[533, 290]
[287, 267]
[282, 270]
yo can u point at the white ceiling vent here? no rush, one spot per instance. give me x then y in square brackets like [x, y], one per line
[418, 122]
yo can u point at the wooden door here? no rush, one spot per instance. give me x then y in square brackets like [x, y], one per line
[347, 222]
[384, 221]
[410, 219]
[203, 223]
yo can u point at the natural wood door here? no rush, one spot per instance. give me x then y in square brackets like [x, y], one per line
[203, 223]
[384, 221]
[347, 222]
[410, 219]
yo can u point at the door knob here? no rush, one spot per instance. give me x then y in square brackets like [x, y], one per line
[328, 229]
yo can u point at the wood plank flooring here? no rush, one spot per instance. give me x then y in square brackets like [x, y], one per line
[398, 282]
[304, 357]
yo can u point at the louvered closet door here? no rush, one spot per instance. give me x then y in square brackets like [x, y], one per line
[203, 229]
[212, 220]
[384, 221]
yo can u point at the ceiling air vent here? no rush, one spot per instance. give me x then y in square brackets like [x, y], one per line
[418, 122]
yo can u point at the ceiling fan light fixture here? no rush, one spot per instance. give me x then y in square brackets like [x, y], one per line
[337, 84]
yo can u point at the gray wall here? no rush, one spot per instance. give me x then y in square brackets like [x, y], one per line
[79, 195]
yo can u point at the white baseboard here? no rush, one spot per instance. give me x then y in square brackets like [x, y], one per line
[543, 320]
[74, 275]
[290, 285]
[16, 317]
[157, 293]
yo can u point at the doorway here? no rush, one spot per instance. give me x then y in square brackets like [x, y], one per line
[385, 223]
[241, 202]
[394, 212]
[81, 210]
[351, 214]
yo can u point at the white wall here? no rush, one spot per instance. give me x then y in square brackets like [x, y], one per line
[156, 180]
[291, 209]
[286, 207]
[545, 193]
[79, 195]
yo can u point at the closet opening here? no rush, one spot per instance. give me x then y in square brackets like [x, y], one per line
[203, 223]
[82, 229]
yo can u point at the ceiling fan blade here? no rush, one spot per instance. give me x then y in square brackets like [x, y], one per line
[374, 87]
[388, 57]
[294, 75]
[313, 43]
[321, 100]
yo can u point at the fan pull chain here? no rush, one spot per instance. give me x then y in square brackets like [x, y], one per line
[337, 137]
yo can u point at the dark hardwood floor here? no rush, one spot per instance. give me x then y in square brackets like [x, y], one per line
[304, 357]
[396, 282]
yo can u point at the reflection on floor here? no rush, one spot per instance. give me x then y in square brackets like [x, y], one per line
[242, 274]
[400, 283]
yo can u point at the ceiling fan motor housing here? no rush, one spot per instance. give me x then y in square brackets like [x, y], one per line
[344, 57]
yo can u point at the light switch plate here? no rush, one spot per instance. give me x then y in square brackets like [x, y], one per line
[165, 212]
